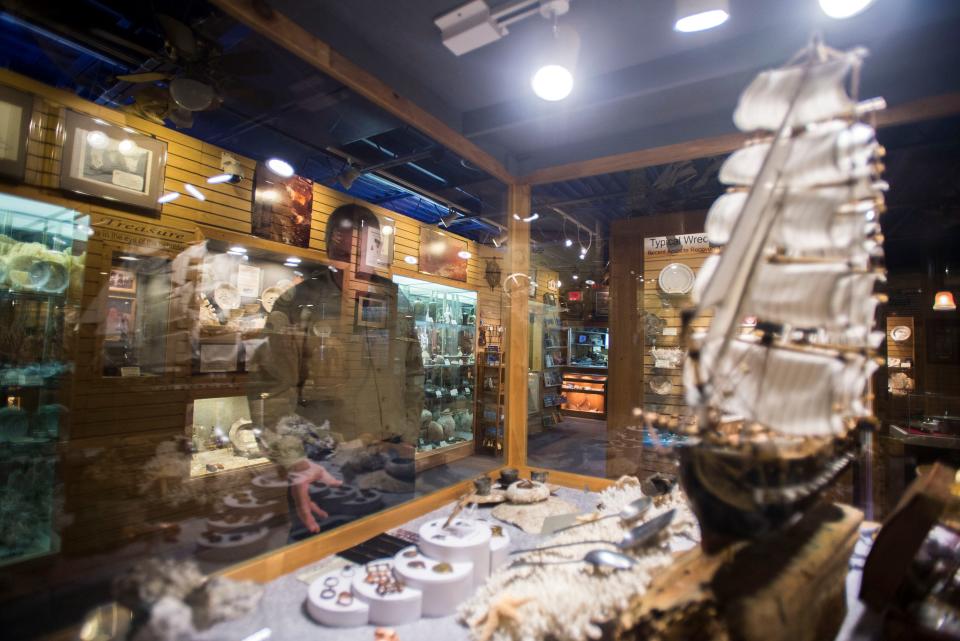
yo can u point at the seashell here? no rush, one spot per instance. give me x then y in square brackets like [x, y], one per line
[448, 424]
[425, 417]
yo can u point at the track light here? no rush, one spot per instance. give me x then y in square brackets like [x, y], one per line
[451, 217]
[280, 167]
[568, 243]
[499, 241]
[193, 191]
[553, 81]
[590, 282]
[169, 197]
[575, 277]
[840, 9]
[700, 15]
[348, 176]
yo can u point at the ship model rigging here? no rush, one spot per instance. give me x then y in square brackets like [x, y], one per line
[779, 404]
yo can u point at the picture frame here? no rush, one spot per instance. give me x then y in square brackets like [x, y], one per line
[282, 208]
[442, 255]
[16, 113]
[376, 250]
[122, 281]
[602, 303]
[110, 162]
[371, 311]
[119, 317]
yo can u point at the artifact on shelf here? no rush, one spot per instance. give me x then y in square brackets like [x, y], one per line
[525, 492]
[800, 249]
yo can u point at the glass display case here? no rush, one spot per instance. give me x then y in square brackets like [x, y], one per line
[445, 321]
[584, 395]
[589, 347]
[42, 254]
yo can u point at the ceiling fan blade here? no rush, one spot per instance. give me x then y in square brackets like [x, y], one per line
[180, 37]
[148, 76]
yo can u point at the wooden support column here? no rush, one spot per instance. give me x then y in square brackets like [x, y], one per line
[518, 324]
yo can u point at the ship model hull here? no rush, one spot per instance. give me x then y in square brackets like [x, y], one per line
[738, 494]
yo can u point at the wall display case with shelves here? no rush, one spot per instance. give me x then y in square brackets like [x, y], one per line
[445, 323]
[588, 347]
[42, 259]
[584, 395]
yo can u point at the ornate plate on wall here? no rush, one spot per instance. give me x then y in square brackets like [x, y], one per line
[900, 333]
[660, 385]
[676, 278]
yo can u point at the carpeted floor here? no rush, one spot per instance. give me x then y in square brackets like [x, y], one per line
[577, 445]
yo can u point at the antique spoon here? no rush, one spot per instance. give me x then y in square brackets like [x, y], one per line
[630, 514]
[634, 538]
[596, 558]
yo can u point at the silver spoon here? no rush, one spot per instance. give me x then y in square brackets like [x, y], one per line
[596, 558]
[634, 538]
[630, 514]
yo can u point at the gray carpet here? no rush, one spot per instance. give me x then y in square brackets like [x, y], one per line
[577, 445]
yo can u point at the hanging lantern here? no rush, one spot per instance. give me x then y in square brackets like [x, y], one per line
[943, 302]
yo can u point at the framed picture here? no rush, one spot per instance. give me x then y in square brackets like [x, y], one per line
[371, 311]
[602, 306]
[120, 319]
[221, 357]
[376, 249]
[108, 161]
[442, 255]
[282, 208]
[16, 109]
[122, 280]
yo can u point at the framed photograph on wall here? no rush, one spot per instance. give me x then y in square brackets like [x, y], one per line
[371, 311]
[376, 249]
[111, 162]
[16, 109]
[123, 281]
[442, 254]
[120, 319]
[282, 208]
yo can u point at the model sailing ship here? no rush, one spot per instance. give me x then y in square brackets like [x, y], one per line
[779, 403]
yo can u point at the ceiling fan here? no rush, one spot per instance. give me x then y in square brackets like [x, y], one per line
[198, 78]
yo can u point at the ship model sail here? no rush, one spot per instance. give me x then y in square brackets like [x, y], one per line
[778, 402]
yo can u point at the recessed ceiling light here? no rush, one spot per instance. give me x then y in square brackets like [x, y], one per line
[840, 9]
[410, 260]
[700, 15]
[387, 230]
[280, 167]
[237, 249]
[552, 82]
[168, 197]
[219, 178]
[463, 254]
[575, 277]
[590, 282]
[193, 191]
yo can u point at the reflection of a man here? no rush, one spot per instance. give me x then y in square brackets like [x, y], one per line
[310, 371]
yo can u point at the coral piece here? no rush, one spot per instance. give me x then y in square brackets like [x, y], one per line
[149, 581]
[502, 611]
[170, 620]
[221, 599]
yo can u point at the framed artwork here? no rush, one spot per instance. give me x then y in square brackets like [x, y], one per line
[371, 311]
[16, 109]
[123, 281]
[222, 357]
[282, 208]
[376, 249]
[107, 161]
[551, 378]
[442, 255]
[120, 318]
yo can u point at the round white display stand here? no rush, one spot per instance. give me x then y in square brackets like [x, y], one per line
[499, 547]
[329, 611]
[232, 546]
[238, 522]
[248, 502]
[463, 541]
[442, 592]
[395, 608]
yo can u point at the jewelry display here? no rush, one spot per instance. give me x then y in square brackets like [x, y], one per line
[345, 598]
[329, 593]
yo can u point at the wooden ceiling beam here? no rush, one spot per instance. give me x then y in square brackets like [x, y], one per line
[289, 35]
[922, 109]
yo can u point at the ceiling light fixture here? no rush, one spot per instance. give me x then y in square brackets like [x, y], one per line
[237, 249]
[700, 15]
[590, 282]
[568, 243]
[280, 167]
[193, 191]
[451, 217]
[219, 178]
[410, 260]
[464, 254]
[575, 277]
[553, 80]
[293, 259]
[943, 301]
[840, 9]
[500, 241]
[530, 219]
[169, 197]
[387, 230]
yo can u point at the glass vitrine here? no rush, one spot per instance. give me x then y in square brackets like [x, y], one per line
[445, 321]
[42, 254]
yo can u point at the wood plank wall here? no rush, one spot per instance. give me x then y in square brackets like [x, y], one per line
[119, 425]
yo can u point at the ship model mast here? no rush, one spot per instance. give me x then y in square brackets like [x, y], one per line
[777, 405]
